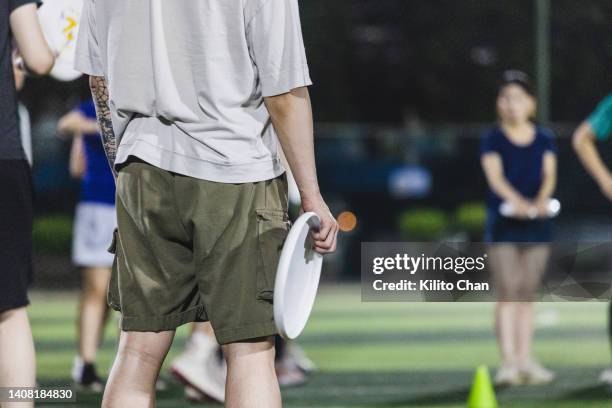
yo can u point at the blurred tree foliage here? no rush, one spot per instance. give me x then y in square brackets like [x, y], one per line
[373, 60]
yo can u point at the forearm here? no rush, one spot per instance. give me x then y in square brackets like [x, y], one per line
[493, 169]
[503, 189]
[584, 145]
[77, 159]
[38, 59]
[292, 119]
[89, 127]
[547, 189]
[99, 92]
[76, 124]
[549, 182]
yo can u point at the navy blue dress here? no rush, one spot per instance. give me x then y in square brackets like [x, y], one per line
[523, 168]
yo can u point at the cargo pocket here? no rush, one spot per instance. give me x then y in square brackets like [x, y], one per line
[113, 246]
[272, 229]
[112, 296]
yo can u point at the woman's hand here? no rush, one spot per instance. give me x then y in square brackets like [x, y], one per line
[542, 207]
[524, 209]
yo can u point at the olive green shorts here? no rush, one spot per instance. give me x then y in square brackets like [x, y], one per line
[190, 250]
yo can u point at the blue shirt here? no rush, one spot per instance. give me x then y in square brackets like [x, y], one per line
[523, 165]
[98, 183]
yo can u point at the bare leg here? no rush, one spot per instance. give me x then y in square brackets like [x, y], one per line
[534, 261]
[199, 367]
[504, 262]
[17, 361]
[251, 378]
[93, 311]
[524, 331]
[504, 329]
[136, 368]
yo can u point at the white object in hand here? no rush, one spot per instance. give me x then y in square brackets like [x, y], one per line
[60, 21]
[297, 278]
[553, 208]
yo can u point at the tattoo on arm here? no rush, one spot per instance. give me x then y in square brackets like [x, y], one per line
[99, 91]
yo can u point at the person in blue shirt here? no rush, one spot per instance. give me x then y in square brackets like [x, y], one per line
[95, 222]
[597, 128]
[519, 161]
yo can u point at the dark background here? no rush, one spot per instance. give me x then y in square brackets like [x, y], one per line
[401, 83]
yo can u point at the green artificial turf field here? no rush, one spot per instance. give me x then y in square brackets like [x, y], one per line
[383, 354]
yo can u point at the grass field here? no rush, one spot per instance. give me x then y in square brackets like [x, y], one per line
[382, 355]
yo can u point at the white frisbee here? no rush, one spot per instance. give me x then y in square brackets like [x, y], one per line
[60, 22]
[297, 278]
[293, 192]
[553, 210]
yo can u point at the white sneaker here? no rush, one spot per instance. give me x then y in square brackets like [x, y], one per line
[507, 374]
[533, 373]
[289, 375]
[199, 367]
[606, 376]
[195, 396]
[295, 354]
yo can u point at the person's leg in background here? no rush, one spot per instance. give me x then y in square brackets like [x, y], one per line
[534, 259]
[93, 234]
[251, 375]
[93, 313]
[17, 354]
[17, 361]
[203, 370]
[606, 375]
[132, 379]
[292, 365]
[505, 263]
[200, 367]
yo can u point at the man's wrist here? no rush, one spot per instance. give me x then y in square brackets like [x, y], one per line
[310, 194]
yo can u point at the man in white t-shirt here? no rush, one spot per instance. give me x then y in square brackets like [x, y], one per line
[192, 99]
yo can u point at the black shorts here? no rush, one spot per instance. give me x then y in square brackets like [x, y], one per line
[16, 208]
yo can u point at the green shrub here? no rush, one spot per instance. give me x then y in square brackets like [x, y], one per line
[471, 218]
[53, 234]
[424, 224]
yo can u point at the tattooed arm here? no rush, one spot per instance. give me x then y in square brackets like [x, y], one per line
[99, 91]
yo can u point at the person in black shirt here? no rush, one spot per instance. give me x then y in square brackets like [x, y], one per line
[18, 22]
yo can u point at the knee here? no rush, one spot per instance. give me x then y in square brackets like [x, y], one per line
[139, 353]
[259, 348]
[14, 315]
[509, 294]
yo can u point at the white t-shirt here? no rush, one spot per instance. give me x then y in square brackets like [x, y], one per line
[187, 79]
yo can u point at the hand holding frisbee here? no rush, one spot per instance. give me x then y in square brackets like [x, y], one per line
[553, 208]
[299, 268]
[297, 278]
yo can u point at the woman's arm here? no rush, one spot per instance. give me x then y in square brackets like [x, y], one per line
[584, 145]
[77, 158]
[494, 171]
[77, 124]
[549, 183]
